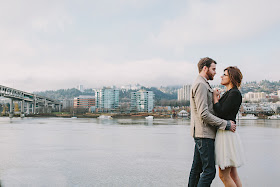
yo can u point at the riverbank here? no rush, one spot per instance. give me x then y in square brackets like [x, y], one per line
[116, 116]
[96, 115]
[113, 115]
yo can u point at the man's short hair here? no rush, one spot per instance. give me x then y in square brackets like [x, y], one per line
[205, 62]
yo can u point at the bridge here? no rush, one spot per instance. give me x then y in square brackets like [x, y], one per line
[28, 101]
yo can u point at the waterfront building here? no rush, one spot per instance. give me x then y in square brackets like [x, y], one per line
[256, 108]
[184, 93]
[107, 99]
[183, 113]
[67, 103]
[142, 101]
[255, 96]
[248, 108]
[84, 101]
[275, 107]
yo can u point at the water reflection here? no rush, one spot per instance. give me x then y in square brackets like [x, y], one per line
[260, 123]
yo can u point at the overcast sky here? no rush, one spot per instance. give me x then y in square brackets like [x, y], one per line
[53, 44]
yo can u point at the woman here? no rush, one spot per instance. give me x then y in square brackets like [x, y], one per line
[228, 148]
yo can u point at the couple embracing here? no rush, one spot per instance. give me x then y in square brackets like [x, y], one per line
[213, 127]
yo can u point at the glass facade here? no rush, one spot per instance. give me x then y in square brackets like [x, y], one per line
[107, 98]
[142, 101]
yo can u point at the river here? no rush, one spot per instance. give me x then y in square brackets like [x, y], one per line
[122, 152]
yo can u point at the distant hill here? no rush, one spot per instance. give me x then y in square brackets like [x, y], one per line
[159, 95]
[262, 86]
[64, 93]
[162, 93]
[124, 94]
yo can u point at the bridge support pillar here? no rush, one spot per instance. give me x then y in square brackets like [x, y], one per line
[45, 109]
[11, 114]
[22, 109]
[34, 105]
[59, 108]
[27, 108]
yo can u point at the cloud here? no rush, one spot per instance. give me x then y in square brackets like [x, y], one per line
[19, 17]
[261, 67]
[113, 7]
[54, 20]
[218, 22]
[151, 72]
[60, 44]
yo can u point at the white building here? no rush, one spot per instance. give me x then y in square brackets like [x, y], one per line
[278, 93]
[142, 101]
[81, 88]
[131, 87]
[257, 108]
[255, 96]
[248, 108]
[184, 93]
[67, 103]
[107, 98]
[274, 106]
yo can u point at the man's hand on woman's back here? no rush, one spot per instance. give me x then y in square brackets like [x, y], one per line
[232, 126]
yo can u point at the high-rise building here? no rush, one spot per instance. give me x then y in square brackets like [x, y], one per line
[107, 98]
[81, 88]
[184, 93]
[142, 101]
[84, 101]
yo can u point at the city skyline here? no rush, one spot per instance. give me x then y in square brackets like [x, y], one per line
[59, 44]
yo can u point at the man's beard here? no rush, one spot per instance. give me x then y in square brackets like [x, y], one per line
[210, 76]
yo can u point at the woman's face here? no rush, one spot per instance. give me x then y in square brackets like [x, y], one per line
[225, 78]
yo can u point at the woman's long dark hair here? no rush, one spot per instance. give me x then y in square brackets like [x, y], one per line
[235, 76]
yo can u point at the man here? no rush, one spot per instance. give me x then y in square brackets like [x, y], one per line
[204, 125]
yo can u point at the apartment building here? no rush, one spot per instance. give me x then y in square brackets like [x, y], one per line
[255, 96]
[184, 93]
[84, 101]
[67, 103]
[107, 98]
[142, 101]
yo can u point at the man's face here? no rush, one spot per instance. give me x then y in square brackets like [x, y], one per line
[211, 71]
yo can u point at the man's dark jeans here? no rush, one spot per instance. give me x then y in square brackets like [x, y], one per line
[203, 169]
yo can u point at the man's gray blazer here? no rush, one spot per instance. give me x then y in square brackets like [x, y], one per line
[204, 123]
